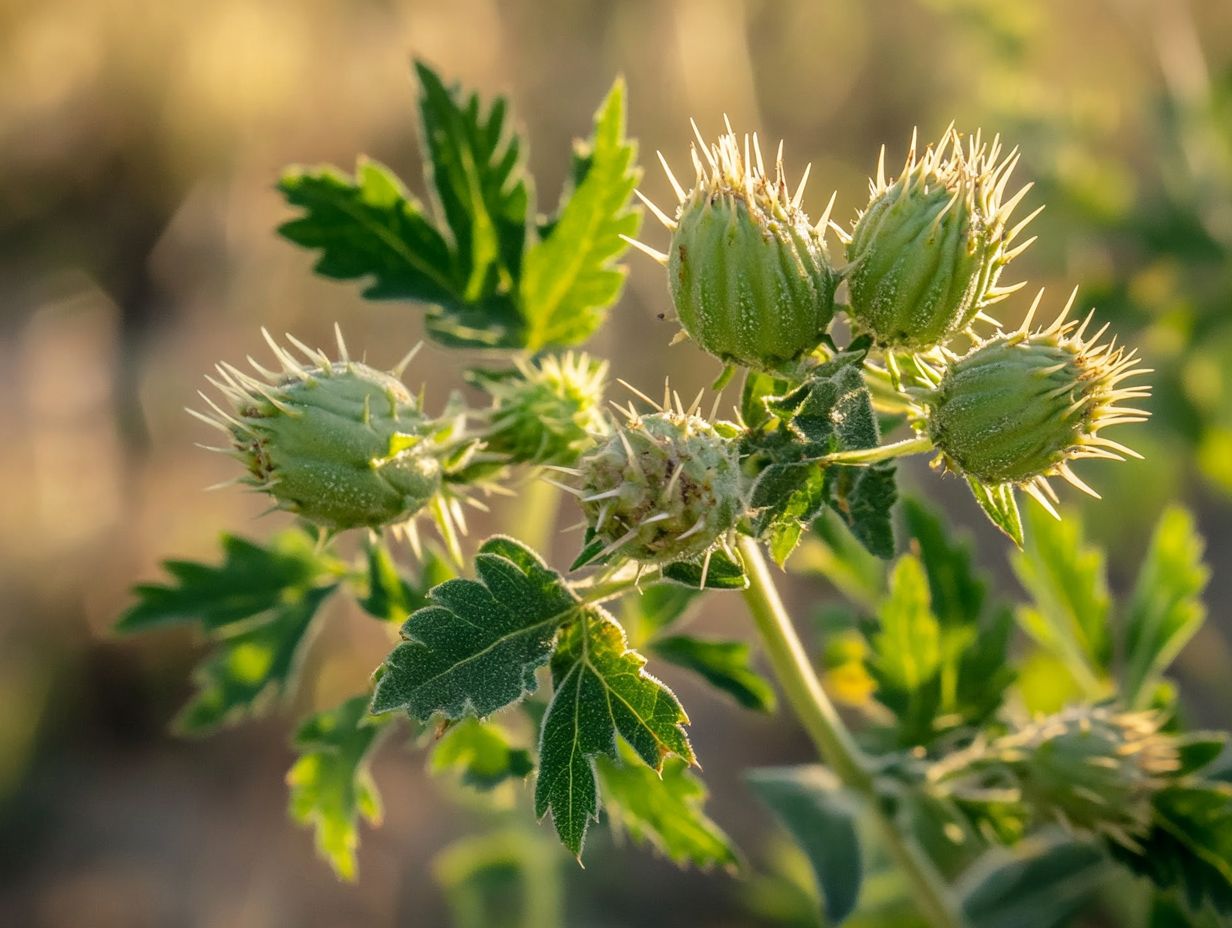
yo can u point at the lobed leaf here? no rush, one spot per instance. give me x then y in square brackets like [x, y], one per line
[331, 788]
[476, 648]
[663, 809]
[601, 691]
[570, 277]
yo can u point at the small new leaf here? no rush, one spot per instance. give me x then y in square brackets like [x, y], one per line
[663, 810]
[480, 753]
[1166, 609]
[601, 691]
[331, 788]
[570, 278]
[726, 665]
[476, 648]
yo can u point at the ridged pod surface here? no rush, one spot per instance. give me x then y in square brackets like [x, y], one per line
[1018, 408]
[749, 276]
[926, 253]
[664, 487]
[339, 443]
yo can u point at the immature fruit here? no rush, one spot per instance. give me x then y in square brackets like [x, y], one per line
[749, 276]
[926, 253]
[1094, 768]
[1018, 408]
[664, 487]
[546, 411]
[339, 443]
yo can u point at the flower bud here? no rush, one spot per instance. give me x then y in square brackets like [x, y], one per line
[338, 443]
[1018, 408]
[926, 253]
[546, 411]
[749, 276]
[663, 488]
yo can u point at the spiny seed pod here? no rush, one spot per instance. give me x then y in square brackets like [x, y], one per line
[1019, 407]
[663, 488]
[749, 275]
[1093, 768]
[547, 411]
[339, 443]
[926, 253]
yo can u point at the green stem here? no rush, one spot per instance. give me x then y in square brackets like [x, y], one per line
[916, 445]
[830, 735]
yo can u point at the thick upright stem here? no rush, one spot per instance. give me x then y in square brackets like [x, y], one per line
[833, 740]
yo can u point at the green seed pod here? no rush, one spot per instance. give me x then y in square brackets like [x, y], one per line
[1018, 408]
[339, 443]
[1093, 768]
[664, 487]
[926, 253]
[750, 277]
[548, 411]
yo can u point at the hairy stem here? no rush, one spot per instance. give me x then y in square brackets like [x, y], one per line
[832, 738]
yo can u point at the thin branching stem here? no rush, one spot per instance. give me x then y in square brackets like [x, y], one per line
[832, 738]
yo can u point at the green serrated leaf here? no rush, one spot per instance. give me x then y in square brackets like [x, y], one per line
[476, 173]
[476, 648]
[663, 810]
[820, 814]
[249, 668]
[601, 691]
[999, 504]
[391, 596]
[1189, 849]
[331, 788]
[726, 665]
[252, 579]
[1043, 885]
[1166, 609]
[571, 278]
[480, 753]
[369, 226]
[1069, 590]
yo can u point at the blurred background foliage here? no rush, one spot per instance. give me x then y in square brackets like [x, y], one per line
[139, 145]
